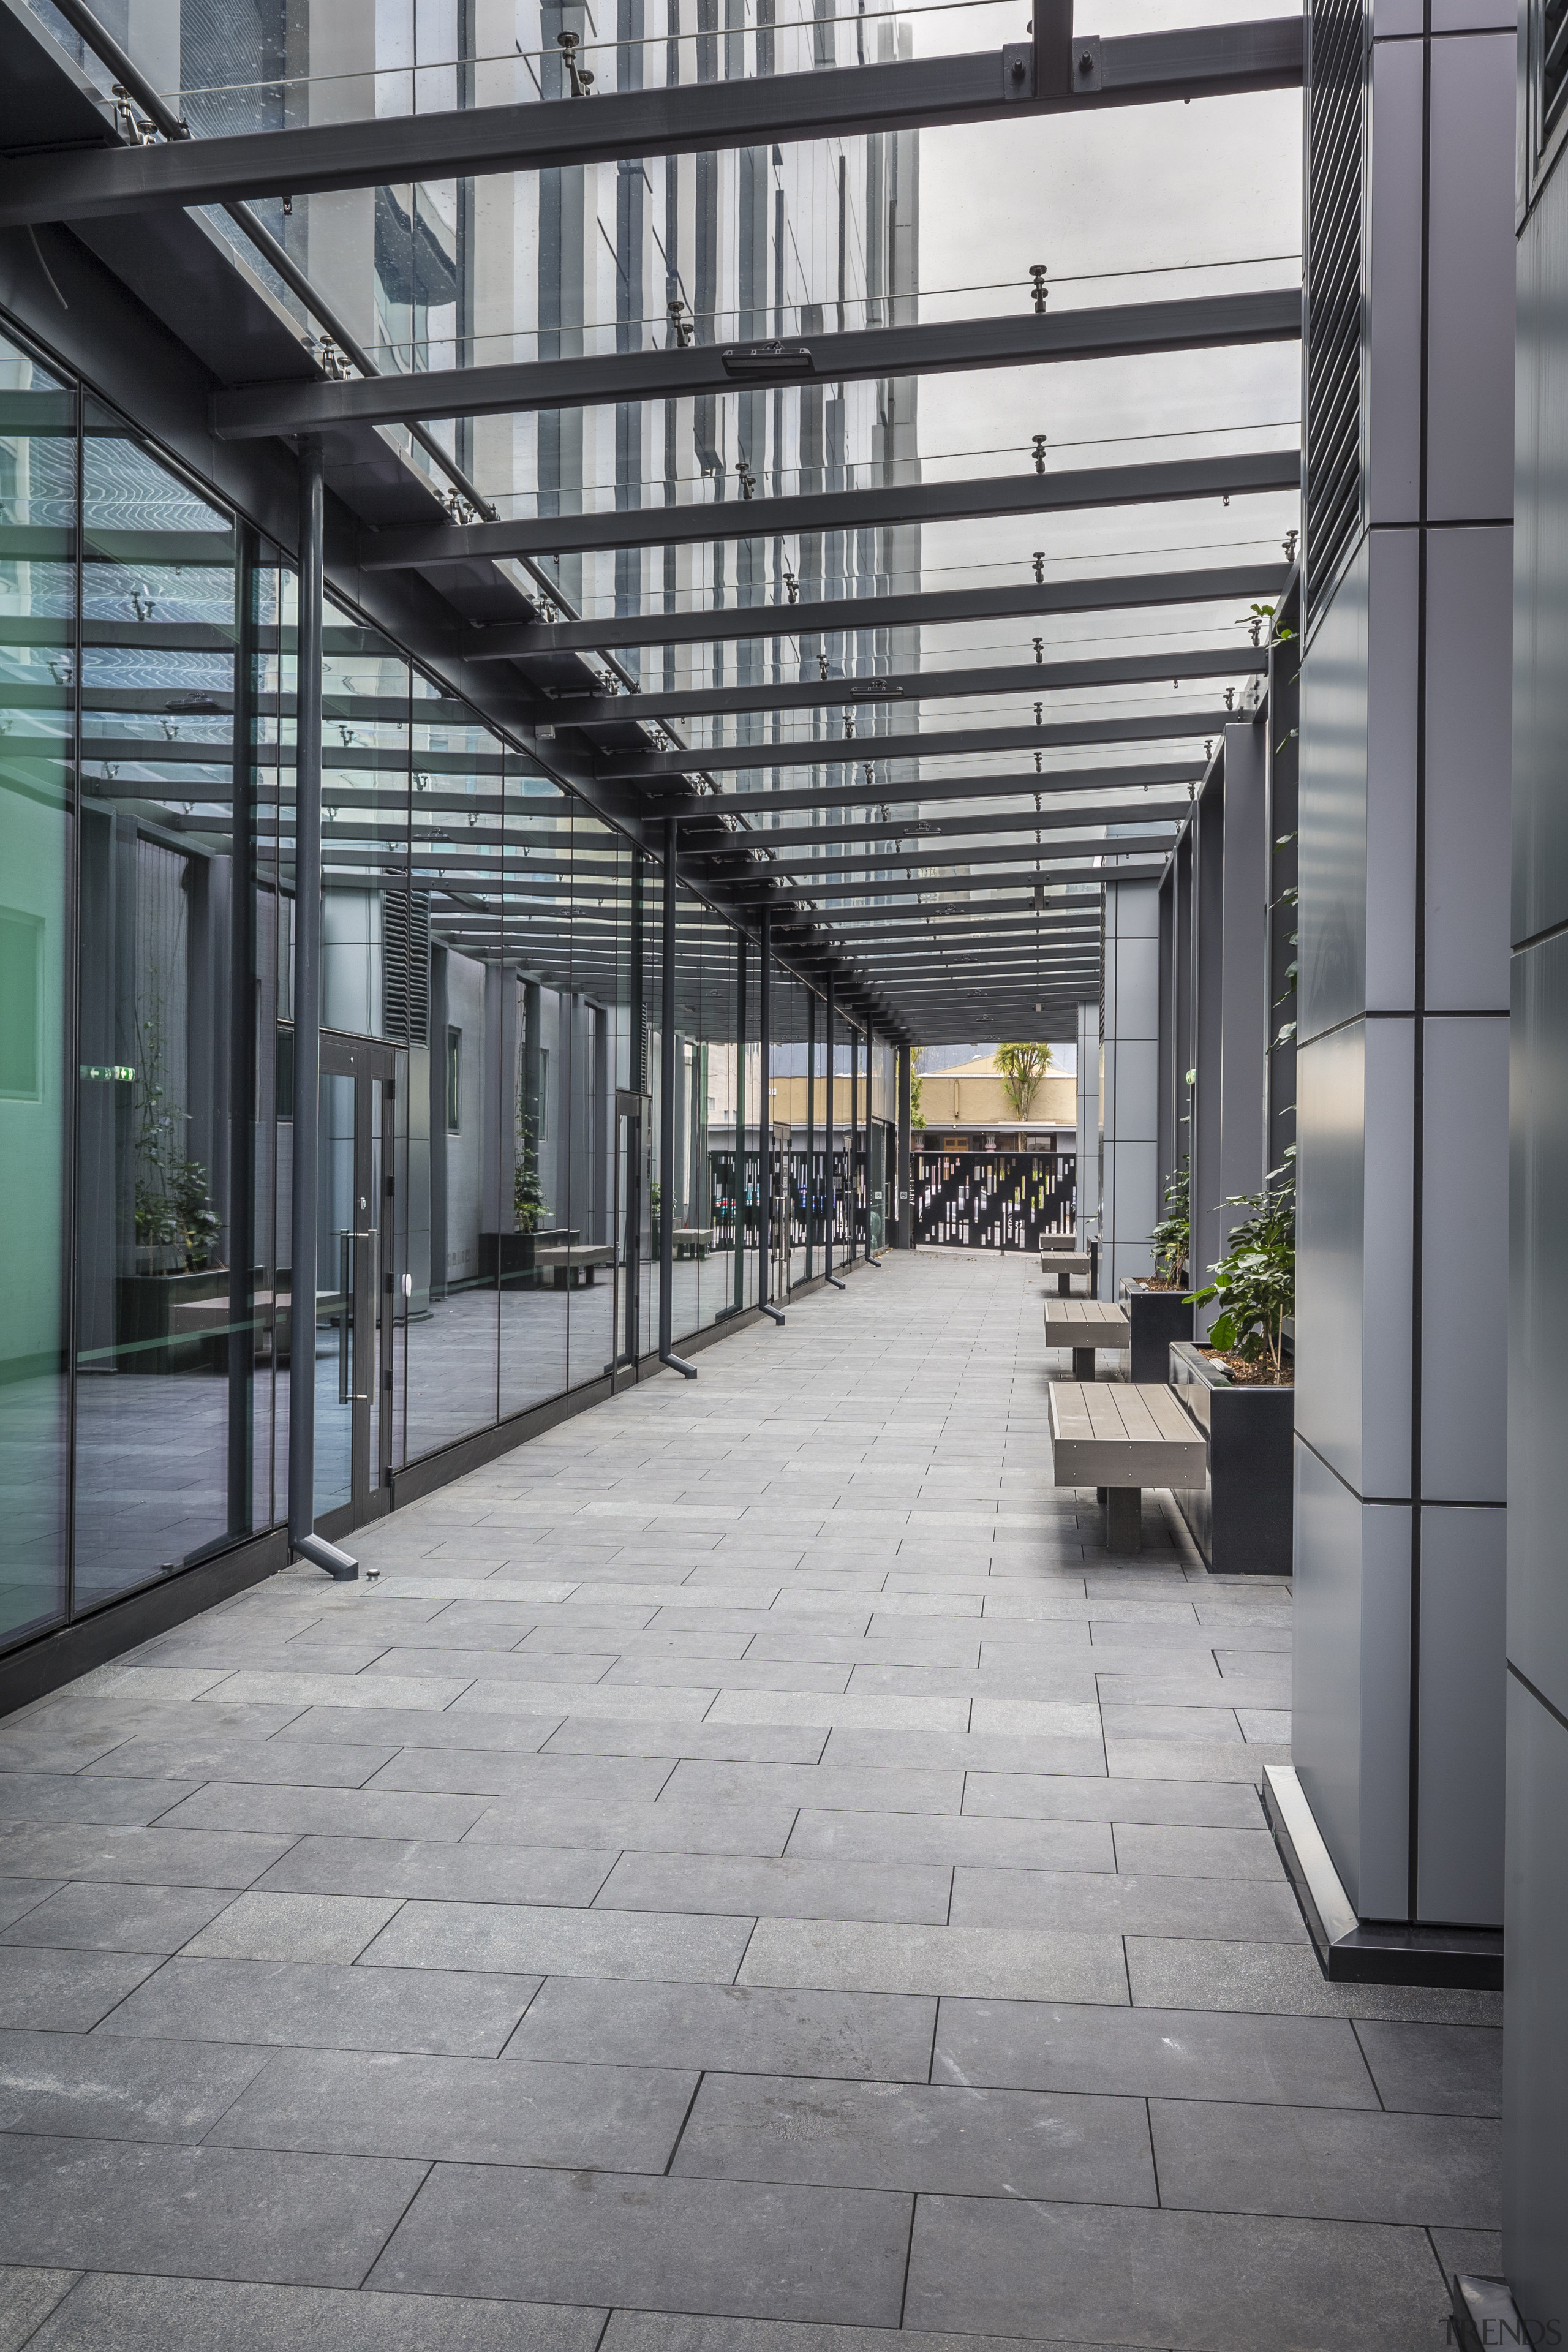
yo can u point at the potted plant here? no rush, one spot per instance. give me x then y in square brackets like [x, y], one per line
[1158, 1311]
[1237, 1388]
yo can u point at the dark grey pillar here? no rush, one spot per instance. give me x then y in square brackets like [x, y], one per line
[810, 1131]
[241, 1058]
[830, 1189]
[438, 1025]
[854, 1144]
[740, 1185]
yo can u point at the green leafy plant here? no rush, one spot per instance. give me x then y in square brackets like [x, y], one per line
[1254, 1282]
[1021, 1069]
[1173, 1236]
[529, 1206]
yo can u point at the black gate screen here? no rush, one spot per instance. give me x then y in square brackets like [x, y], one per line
[992, 1200]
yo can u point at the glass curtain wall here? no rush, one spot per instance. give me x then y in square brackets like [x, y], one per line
[491, 977]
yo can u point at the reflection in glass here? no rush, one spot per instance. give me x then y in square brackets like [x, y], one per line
[37, 599]
[155, 1251]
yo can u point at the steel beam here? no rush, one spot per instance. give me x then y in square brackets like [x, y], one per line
[1166, 775]
[694, 118]
[1149, 483]
[850, 616]
[887, 889]
[953, 743]
[805, 873]
[917, 830]
[864, 697]
[1028, 338]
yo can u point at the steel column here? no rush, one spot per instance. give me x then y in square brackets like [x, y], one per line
[905, 1207]
[667, 1354]
[306, 1160]
[766, 1119]
[830, 1190]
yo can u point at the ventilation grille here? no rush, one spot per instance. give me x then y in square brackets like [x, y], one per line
[1554, 65]
[405, 975]
[1337, 44]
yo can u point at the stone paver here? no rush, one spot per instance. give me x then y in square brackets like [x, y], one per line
[751, 1875]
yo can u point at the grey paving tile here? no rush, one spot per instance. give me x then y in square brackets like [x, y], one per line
[109, 2312]
[969, 2142]
[306, 2005]
[1170, 1852]
[548, 1779]
[1249, 1910]
[1034, 1796]
[20, 1897]
[205, 2211]
[953, 1838]
[730, 2028]
[1282, 1980]
[303, 1763]
[45, 1990]
[1329, 2163]
[1004, 1963]
[70, 1797]
[752, 1885]
[326, 1812]
[1152, 2053]
[154, 1857]
[677, 2245]
[93, 1916]
[856, 1751]
[401, 1727]
[1435, 2070]
[1475, 2253]
[26, 2298]
[1193, 1759]
[86, 2087]
[670, 1826]
[441, 1873]
[817, 1786]
[653, 2331]
[276, 1926]
[466, 2110]
[529, 1940]
[741, 1743]
[1196, 2283]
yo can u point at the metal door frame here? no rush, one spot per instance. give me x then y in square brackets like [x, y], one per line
[626, 1233]
[370, 1247]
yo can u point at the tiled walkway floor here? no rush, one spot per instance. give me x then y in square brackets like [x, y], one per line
[753, 1868]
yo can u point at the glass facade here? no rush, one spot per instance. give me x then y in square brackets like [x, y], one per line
[491, 971]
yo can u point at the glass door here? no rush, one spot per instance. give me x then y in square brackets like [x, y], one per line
[628, 1227]
[354, 1255]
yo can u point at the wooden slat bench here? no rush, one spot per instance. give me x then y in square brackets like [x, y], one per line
[1083, 1325]
[1119, 1437]
[567, 1260]
[692, 1241]
[1063, 1262]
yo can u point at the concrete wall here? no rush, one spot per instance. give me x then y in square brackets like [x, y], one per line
[1402, 1059]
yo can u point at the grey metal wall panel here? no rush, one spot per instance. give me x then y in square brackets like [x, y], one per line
[1474, 16]
[1244, 1011]
[1388, 1286]
[1330, 1081]
[1393, 680]
[1384, 1889]
[1464, 1261]
[1470, 279]
[1393, 268]
[1333, 810]
[1398, 20]
[1541, 571]
[1469, 693]
[1538, 1311]
[1535, 2048]
[1459, 1844]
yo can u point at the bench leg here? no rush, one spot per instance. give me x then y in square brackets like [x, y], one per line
[1083, 1363]
[1064, 1286]
[1124, 1518]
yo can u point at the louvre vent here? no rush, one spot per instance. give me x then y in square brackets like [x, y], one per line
[1333, 305]
[1554, 65]
[406, 966]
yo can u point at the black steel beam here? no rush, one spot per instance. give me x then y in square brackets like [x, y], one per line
[690, 119]
[805, 873]
[864, 697]
[655, 768]
[1028, 338]
[1050, 868]
[848, 616]
[1151, 483]
[1166, 775]
[893, 837]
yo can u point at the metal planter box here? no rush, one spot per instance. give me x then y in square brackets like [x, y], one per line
[1240, 1517]
[1154, 1318]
